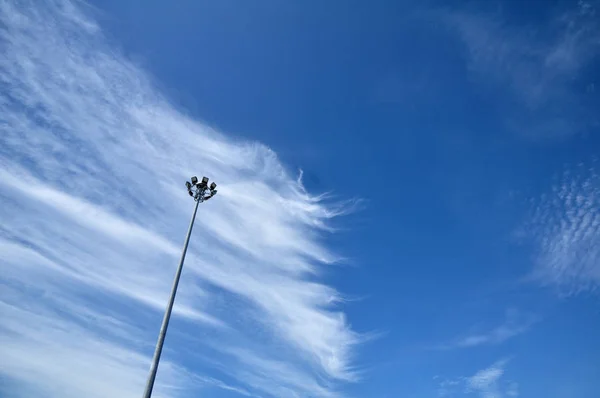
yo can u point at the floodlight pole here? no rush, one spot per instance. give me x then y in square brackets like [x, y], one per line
[199, 195]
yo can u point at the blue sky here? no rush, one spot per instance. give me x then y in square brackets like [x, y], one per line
[408, 198]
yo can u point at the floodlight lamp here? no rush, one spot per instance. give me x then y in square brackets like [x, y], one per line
[191, 193]
[194, 180]
[213, 193]
[204, 180]
[188, 185]
[213, 186]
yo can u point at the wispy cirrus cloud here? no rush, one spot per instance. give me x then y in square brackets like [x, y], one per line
[485, 383]
[565, 228]
[540, 74]
[515, 323]
[93, 213]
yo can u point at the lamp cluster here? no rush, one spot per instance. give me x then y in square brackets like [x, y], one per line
[200, 190]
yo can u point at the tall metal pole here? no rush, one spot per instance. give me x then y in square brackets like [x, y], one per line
[165, 322]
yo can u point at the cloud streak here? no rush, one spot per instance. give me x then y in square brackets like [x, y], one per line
[485, 383]
[92, 159]
[538, 75]
[514, 324]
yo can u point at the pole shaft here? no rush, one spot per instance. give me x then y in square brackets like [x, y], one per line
[167, 317]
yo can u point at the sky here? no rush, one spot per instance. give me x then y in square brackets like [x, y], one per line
[408, 198]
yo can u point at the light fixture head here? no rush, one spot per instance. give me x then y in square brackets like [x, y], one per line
[204, 180]
[213, 192]
[213, 186]
[191, 193]
[188, 185]
[194, 180]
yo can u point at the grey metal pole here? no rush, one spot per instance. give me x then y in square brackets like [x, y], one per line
[165, 322]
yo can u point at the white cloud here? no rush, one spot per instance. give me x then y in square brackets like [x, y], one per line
[447, 388]
[537, 74]
[565, 227]
[485, 383]
[93, 161]
[515, 323]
